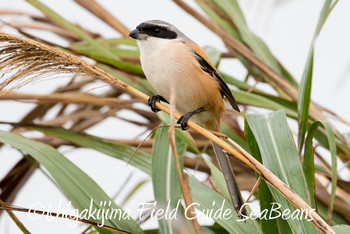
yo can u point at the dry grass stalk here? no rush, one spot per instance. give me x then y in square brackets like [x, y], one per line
[29, 60]
[17, 13]
[14, 218]
[182, 176]
[78, 98]
[45, 27]
[96, 9]
[8, 207]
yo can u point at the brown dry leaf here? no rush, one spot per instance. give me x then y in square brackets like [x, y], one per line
[95, 8]
[79, 98]
[45, 27]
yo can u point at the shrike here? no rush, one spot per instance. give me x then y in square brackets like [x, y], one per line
[169, 55]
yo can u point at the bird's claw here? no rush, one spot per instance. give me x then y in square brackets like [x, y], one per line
[183, 122]
[152, 102]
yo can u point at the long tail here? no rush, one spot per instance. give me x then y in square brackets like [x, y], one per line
[229, 176]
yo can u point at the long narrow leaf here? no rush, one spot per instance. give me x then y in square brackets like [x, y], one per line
[279, 154]
[166, 184]
[141, 160]
[265, 196]
[203, 196]
[308, 164]
[207, 200]
[341, 229]
[232, 9]
[306, 79]
[77, 186]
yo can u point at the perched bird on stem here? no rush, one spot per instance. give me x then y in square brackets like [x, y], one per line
[169, 55]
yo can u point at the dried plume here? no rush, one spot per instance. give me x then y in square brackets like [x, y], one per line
[23, 60]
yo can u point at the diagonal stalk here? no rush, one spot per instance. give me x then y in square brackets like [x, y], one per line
[241, 154]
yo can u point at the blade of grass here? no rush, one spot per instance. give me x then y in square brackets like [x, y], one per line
[178, 133]
[204, 196]
[90, 50]
[112, 148]
[221, 184]
[225, 129]
[136, 81]
[77, 186]
[117, 41]
[166, 185]
[133, 191]
[215, 16]
[214, 54]
[208, 199]
[341, 229]
[232, 9]
[304, 97]
[219, 180]
[265, 196]
[260, 101]
[308, 164]
[323, 211]
[280, 155]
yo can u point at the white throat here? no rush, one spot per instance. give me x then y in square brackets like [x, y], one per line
[152, 46]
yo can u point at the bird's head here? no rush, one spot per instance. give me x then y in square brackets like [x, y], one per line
[155, 29]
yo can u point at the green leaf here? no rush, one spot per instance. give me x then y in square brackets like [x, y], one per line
[102, 54]
[280, 156]
[260, 101]
[214, 54]
[225, 129]
[134, 190]
[207, 200]
[141, 160]
[308, 164]
[87, 49]
[178, 133]
[341, 229]
[265, 196]
[219, 179]
[322, 210]
[135, 81]
[245, 87]
[201, 194]
[82, 191]
[233, 11]
[166, 184]
[218, 20]
[117, 41]
[304, 98]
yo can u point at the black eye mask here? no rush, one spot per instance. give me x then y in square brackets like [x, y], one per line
[157, 31]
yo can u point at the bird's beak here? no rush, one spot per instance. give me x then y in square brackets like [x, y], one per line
[136, 34]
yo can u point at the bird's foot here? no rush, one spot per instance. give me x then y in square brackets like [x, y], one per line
[184, 118]
[152, 102]
[183, 121]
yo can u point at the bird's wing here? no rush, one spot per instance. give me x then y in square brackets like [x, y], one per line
[209, 68]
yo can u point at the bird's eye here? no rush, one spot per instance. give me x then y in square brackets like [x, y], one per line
[156, 30]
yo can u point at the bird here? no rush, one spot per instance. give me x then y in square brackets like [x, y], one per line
[169, 57]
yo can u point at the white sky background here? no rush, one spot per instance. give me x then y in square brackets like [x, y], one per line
[286, 26]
